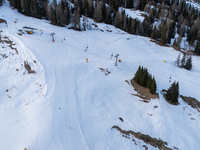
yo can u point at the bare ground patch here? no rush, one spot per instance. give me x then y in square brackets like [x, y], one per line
[10, 43]
[157, 143]
[3, 21]
[105, 71]
[143, 92]
[194, 103]
[28, 67]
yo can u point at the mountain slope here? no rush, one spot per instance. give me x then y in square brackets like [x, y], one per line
[71, 104]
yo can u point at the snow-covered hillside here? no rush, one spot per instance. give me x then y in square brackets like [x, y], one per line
[70, 104]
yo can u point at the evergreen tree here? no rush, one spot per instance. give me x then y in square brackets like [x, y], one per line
[19, 8]
[163, 35]
[153, 86]
[183, 61]
[98, 15]
[178, 60]
[90, 8]
[129, 3]
[26, 7]
[173, 92]
[149, 80]
[35, 9]
[108, 18]
[154, 33]
[137, 75]
[104, 10]
[144, 77]
[85, 8]
[197, 49]
[188, 64]
[52, 16]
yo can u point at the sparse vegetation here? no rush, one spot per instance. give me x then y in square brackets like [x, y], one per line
[28, 67]
[194, 103]
[157, 143]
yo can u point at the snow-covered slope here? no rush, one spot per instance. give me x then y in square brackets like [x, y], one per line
[71, 104]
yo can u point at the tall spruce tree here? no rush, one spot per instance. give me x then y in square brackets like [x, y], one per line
[188, 64]
[153, 86]
[163, 35]
[173, 92]
[137, 75]
[183, 60]
[197, 49]
[108, 18]
[129, 3]
[98, 15]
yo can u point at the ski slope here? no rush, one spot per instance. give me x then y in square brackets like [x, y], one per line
[69, 104]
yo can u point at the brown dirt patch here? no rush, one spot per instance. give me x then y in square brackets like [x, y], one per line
[143, 92]
[194, 103]
[9, 42]
[2, 21]
[157, 143]
[28, 67]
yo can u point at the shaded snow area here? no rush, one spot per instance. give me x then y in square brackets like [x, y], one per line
[134, 13]
[71, 104]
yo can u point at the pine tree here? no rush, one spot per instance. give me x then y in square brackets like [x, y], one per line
[98, 15]
[188, 64]
[104, 10]
[153, 86]
[144, 78]
[90, 8]
[197, 49]
[154, 33]
[163, 35]
[149, 80]
[26, 7]
[108, 18]
[178, 60]
[137, 75]
[129, 3]
[183, 61]
[173, 92]
[19, 8]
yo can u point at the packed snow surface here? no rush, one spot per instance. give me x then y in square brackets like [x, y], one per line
[70, 104]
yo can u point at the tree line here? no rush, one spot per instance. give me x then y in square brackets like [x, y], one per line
[175, 16]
